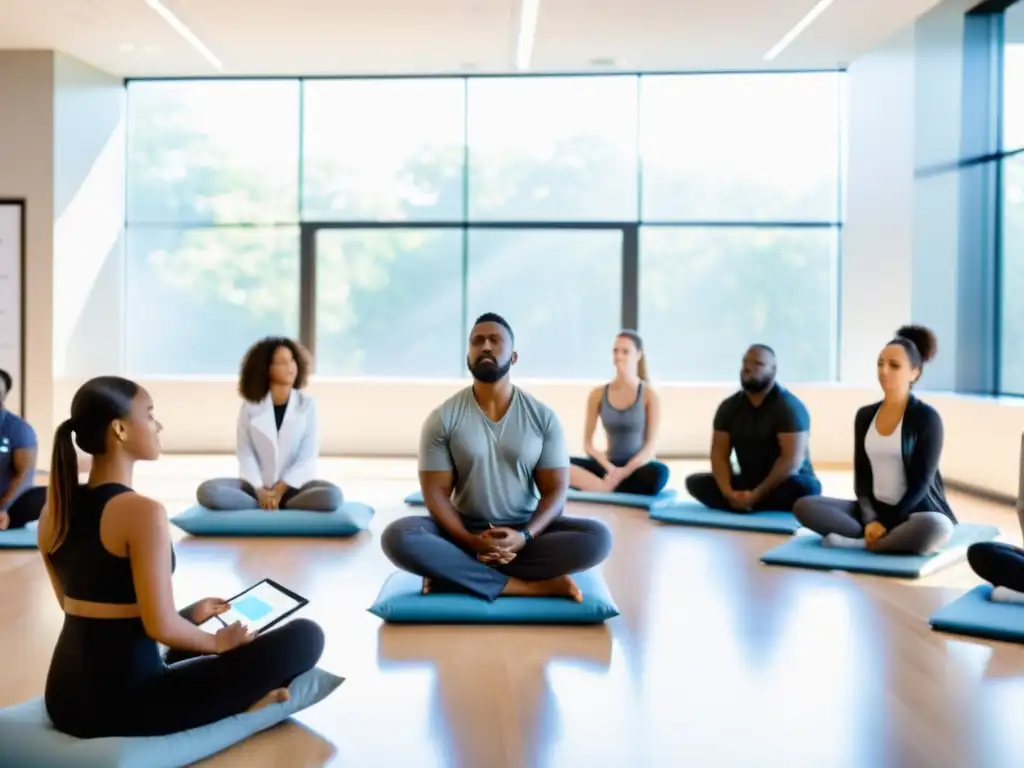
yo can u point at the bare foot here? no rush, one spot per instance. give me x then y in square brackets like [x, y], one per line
[276, 696]
[426, 586]
[563, 586]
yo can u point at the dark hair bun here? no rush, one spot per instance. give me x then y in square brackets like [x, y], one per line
[923, 339]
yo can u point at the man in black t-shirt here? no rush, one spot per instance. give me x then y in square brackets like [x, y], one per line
[768, 427]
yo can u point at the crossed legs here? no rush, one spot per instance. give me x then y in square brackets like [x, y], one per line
[232, 494]
[703, 487]
[1002, 566]
[568, 545]
[585, 474]
[839, 522]
[26, 508]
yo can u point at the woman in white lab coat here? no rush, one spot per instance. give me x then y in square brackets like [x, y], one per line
[278, 437]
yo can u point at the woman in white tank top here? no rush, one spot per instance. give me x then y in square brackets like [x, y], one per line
[901, 503]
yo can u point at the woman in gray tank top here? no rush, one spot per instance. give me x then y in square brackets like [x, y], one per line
[629, 411]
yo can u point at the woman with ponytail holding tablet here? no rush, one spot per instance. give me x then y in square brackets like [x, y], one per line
[901, 505]
[108, 552]
[630, 412]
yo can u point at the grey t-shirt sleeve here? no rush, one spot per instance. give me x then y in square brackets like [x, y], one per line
[554, 454]
[434, 454]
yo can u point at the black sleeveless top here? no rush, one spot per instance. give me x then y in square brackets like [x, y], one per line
[84, 567]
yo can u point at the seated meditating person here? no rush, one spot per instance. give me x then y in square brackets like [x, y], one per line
[494, 471]
[21, 501]
[108, 553]
[901, 505]
[630, 412]
[278, 437]
[768, 427]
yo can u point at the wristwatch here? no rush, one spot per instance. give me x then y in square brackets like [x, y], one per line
[527, 535]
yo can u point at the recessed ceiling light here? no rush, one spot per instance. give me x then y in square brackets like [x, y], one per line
[528, 12]
[126, 47]
[604, 61]
[819, 8]
[179, 26]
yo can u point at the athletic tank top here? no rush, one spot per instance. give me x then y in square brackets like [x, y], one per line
[84, 567]
[625, 429]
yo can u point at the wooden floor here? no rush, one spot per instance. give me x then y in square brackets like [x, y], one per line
[716, 660]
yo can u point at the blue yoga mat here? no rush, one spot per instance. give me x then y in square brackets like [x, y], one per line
[974, 614]
[696, 514]
[415, 499]
[19, 538]
[806, 551]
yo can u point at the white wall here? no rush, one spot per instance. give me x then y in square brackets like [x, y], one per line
[62, 149]
[878, 233]
[88, 221]
[26, 172]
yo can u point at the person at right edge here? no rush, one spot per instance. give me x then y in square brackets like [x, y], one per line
[901, 505]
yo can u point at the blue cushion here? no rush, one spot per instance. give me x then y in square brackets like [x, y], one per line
[640, 500]
[401, 600]
[30, 741]
[695, 513]
[348, 520]
[19, 538]
[415, 499]
[976, 615]
[806, 551]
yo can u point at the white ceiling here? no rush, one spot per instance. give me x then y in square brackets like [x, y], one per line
[338, 37]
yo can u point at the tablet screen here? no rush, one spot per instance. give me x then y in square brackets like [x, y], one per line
[257, 608]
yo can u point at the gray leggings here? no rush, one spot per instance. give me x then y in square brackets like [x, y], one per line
[232, 494]
[922, 534]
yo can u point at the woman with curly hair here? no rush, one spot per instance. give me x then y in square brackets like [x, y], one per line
[901, 502]
[278, 437]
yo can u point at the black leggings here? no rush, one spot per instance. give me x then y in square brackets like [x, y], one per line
[648, 480]
[1001, 565]
[704, 488]
[107, 678]
[27, 507]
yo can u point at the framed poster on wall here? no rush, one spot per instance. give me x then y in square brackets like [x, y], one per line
[12, 306]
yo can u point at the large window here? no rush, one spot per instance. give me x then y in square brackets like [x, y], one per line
[389, 302]
[553, 148]
[198, 297]
[1011, 368]
[707, 294]
[383, 150]
[1013, 77]
[375, 218]
[562, 287]
[740, 147]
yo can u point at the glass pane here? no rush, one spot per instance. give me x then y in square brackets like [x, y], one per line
[1012, 332]
[707, 294]
[197, 298]
[552, 148]
[740, 147]
[559, 289]
[1013, 77]
[383, 150]
[213, 152]
[389, 303]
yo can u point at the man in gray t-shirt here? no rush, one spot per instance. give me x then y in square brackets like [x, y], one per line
[494, 471]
